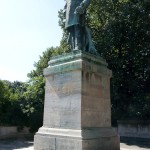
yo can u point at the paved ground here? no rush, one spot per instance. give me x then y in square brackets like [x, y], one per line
[27, 144]
[135, 144]
[133, 147]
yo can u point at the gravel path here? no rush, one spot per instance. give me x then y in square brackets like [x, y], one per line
[27, 144]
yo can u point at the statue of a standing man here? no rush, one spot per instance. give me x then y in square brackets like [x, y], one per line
[79, 35]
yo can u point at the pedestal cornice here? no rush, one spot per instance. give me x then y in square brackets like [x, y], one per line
[76, 61]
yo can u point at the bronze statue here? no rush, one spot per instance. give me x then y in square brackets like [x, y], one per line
[79, 36]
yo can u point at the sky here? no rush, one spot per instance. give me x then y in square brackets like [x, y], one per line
[27, 28]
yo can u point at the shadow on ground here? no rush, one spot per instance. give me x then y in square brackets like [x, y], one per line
[19, 143]
[140, 142]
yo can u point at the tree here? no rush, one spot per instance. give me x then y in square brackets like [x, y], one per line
[33, 102]
[4, 95]
[10, 99]
[121, 34]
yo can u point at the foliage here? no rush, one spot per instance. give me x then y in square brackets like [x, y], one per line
[32, 103]
[10, 99]
[121, 34]
[4, 95]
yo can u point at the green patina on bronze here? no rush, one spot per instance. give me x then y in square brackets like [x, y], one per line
[77, 55]
[76, 61]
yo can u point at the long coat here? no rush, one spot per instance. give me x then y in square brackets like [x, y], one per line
[71, 17]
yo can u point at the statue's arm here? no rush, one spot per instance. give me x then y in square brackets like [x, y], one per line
[82, 7]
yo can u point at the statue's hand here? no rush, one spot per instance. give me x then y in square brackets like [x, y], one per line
[79, 10]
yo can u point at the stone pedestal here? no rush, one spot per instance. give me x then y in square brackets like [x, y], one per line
[77, 111]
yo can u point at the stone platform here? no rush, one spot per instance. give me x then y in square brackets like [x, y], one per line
[77, 111]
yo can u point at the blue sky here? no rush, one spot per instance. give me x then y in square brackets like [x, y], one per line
[27, 28]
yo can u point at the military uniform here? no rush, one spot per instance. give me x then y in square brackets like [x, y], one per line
[71, 17]
[75, 24]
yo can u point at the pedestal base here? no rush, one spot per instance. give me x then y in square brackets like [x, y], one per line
[87, 139]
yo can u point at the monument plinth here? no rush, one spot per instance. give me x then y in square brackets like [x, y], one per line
[77, 111]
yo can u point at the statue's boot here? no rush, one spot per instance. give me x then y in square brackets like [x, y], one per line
[78, 38]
